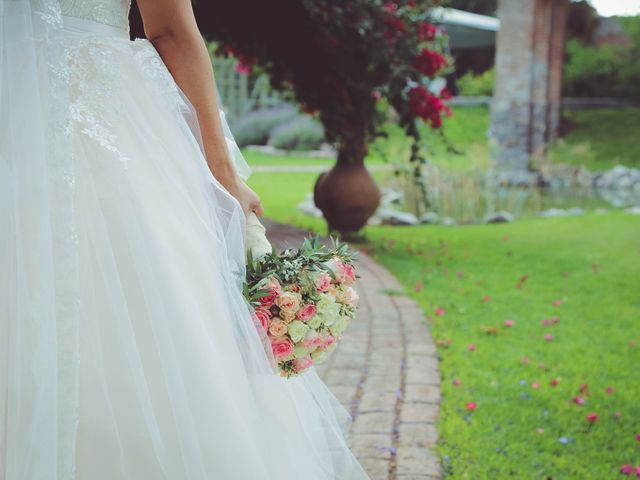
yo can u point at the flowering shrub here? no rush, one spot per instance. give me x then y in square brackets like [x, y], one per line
[304, 301]
[340, 60]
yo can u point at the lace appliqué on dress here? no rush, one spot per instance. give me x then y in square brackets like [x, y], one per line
[94, 78]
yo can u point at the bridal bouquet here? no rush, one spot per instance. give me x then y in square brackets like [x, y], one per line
[304, 299]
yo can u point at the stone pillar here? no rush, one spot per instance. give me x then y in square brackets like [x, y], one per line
[526, 106]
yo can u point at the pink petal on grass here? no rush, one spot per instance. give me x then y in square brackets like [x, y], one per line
[557, 303]
[609, 390]
[548, 337]
[592, 417]
[471, 406]
[456, 382]
[626, 469]
[472, 347]
[554, 382]
[439, 311]
[508, 323]
[579, 401]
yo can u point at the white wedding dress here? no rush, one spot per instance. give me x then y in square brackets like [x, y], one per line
[126, 348]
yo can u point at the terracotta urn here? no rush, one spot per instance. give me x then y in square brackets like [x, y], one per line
[347, 195]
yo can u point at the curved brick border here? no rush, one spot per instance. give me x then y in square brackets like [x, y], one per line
[385, 371]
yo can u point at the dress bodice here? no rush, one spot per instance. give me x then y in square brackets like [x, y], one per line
[108, 12]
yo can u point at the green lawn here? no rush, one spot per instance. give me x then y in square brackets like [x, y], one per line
[259, 158]
[581, 271]
[482, 275]
[598, 139]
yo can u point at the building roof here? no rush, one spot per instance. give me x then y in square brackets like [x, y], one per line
[466, 29]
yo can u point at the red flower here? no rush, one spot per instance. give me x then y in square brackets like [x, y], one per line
[427, 106]
[592, 417]
[609, 390]
[470, 407]
[394, 27]
[429, 62]
[638, 437]
[445, 94]
[243, 68]
[427, 32]
[390, 7]
[554, 382]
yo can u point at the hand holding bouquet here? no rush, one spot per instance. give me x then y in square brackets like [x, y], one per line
[304, 299]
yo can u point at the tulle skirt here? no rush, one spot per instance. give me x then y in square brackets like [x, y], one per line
[127, 350]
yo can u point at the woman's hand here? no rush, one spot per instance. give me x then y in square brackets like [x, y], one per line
[249, 200]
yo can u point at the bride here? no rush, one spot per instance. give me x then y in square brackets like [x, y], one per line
[126, 348]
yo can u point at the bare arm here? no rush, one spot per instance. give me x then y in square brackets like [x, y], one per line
[171, 27]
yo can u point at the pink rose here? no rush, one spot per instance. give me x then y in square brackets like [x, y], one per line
[288, 302]
[348, 274]
[336, 265]
[274, 291]
[328, 342]
[278, 328]
[312, 340]
[264, 316]
[268, 300]
[323, 280]
[302, 363]
[274, 286]
[282, 348]
[306, 312]
[294, 288]
[351, 297]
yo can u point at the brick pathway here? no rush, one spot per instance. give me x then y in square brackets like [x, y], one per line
[385, 371]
